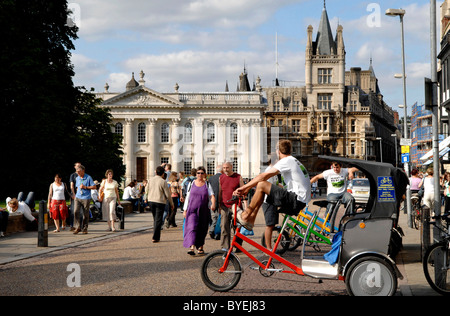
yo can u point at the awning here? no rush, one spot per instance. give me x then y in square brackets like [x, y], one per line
[441, 154]
[442, 145]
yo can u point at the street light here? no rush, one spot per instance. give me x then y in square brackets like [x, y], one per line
[381, 148]
[396, 153]
[401, 13]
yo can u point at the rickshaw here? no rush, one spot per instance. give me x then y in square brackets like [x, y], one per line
[366, 249]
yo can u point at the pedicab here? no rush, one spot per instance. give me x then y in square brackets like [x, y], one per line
[363, 256]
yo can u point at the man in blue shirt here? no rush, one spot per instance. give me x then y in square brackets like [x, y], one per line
[84, 185]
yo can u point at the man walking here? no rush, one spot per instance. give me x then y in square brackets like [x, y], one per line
[84, 184]
[228, 181]
[158, 195]
[214, 181]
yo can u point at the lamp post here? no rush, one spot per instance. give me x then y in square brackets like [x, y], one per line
[381, 148]
[401, 13]
[396, 153]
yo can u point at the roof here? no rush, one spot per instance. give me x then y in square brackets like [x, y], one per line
[325, 45]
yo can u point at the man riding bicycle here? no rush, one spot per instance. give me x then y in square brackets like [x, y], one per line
[289, 200]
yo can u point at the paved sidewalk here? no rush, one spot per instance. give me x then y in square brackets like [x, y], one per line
[24, 245]
[20, 246]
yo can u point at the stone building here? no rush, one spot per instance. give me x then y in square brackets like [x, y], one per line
[187, 129]
[337, 112]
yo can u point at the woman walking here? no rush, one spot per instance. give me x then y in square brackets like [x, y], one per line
[110, 189]
[196, 212]
[57, 203]
[428, 185]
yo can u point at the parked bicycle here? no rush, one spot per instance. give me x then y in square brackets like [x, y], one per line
[416, 214]
[436, 262]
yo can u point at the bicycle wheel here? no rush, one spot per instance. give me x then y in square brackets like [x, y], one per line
[296, 239]
[415, 216]
[435, 268]
[221, 281]
[285, 241]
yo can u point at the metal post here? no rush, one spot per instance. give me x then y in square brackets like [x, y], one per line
[405, 123]
[43, 225]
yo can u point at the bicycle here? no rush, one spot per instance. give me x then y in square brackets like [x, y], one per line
[436, 262]
[416, 214]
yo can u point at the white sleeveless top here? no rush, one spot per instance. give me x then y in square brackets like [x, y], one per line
[58, 192]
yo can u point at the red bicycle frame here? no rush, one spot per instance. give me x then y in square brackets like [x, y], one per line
[270, 253]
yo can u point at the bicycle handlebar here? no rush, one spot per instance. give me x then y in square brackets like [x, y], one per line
[237, 198]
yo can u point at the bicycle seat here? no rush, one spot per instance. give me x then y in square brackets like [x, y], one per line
[321, 203]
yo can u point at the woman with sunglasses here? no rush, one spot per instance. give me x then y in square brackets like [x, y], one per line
[199, 199]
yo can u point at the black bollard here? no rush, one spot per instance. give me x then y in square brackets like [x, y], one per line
[43, 225]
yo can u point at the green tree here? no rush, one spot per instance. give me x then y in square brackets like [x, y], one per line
[43, 120]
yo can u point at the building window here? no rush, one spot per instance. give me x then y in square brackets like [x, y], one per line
[233, 133]
[352, 148]
[325, 124]
[142, 128]
[210, 133]
[296, 126]
[353, 126]
[325, 75]
[277, 105]
[165, 160]
[324, 101]
[188, 133]
[118, 129]
[296, 148]
[164, 133]
[296, 106]
[187, 165]
[211, 165]
[235, 162]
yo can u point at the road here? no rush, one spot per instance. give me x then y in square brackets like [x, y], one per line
[131, 265]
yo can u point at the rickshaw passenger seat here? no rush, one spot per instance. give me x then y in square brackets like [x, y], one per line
[321, 203]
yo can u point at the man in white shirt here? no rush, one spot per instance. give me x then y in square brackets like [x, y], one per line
[336, 178]
[289, 200]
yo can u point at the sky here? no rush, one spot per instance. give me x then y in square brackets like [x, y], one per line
[203, 44]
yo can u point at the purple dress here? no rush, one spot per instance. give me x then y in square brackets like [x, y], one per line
[198, 217]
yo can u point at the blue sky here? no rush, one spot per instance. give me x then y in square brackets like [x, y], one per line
[202, 44]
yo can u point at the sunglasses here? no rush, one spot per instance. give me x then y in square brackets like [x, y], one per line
[200, 173]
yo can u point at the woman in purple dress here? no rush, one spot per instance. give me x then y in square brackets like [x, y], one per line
[199, 199]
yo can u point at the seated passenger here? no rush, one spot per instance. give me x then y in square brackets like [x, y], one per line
[336, 178]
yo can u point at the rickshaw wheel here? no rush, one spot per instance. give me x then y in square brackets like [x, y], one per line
[371, 276]
[221, 282]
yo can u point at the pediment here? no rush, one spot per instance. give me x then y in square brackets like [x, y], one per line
[142, 97]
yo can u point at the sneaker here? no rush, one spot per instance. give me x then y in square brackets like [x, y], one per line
[247, 225]
[1, 234]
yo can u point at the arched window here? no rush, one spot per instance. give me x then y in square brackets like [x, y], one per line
[210, 133]
[188, 133]
[164, 133]
[118, 129]
[233, 133]
[142, 133]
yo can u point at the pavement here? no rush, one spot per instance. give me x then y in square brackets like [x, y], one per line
[21, 246]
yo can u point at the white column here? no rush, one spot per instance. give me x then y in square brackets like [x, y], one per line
[154, 153]
[256, 148]
[129, 150]
[198, 142]
[222, 141]
[245, 141]
[177, 145]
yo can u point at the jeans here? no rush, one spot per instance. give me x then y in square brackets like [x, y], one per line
[157, 211]
[345, 199]
[80, 203]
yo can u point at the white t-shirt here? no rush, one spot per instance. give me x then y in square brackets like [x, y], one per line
[296, 178]
[336, 182]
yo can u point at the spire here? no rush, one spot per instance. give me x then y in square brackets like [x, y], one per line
[324, 41]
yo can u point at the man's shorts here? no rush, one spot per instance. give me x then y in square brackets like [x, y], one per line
[279, 201]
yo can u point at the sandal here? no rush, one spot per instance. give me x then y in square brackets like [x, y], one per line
[191, 252]
[201, 252]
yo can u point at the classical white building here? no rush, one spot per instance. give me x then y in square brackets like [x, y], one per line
[187, 130]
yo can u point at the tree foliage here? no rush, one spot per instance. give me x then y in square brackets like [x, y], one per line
[46, 124]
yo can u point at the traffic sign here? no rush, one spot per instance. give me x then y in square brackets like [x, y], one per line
[405, 158]
[405, 149]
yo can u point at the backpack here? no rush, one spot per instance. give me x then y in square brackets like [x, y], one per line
[186, 184]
